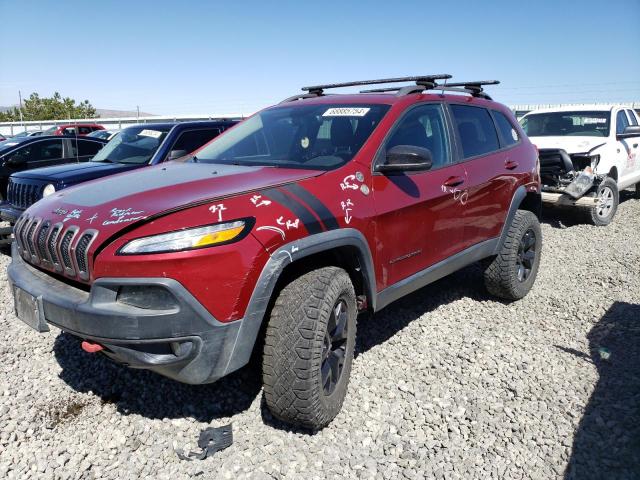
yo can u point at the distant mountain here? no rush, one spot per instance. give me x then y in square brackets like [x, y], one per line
[103, 113]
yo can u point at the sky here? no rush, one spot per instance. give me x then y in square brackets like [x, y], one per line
[214, 57]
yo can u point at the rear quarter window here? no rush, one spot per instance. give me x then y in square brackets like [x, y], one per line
[476, 130]
[508, 133]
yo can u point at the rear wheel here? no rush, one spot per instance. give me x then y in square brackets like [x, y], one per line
[637, 193]
[309, 346]
[608, 198]
[513, 271]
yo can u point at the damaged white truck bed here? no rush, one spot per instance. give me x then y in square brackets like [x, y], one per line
[587, 155]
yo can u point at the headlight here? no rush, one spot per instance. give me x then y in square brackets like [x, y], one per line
[595, 160]
[50, 189]
[188, 239]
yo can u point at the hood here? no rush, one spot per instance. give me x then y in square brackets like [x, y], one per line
[569, 144]
[119, 201]
[71, 173]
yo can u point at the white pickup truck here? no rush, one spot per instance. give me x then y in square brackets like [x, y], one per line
[588, 154]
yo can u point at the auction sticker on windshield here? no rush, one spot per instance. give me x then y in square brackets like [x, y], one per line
[150, 133]
[346, 112]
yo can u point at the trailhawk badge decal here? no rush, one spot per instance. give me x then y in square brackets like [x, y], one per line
[124, 215]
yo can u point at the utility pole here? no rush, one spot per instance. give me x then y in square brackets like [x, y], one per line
[137, 113]
[20, 108]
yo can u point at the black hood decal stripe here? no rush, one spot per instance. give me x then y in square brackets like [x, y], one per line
[311, 223]
[324, 214]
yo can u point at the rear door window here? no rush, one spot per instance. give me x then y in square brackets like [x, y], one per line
[632, 118]
[84, 130]
[476, 130]
[508, 133]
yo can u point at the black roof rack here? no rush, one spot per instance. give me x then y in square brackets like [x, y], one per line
[426, 80]
[474, 88]
[422, 82]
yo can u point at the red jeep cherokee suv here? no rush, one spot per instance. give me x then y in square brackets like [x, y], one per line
[295, 220]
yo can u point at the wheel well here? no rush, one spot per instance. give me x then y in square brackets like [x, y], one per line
[345, 257]
[613, 173]
[533, 203]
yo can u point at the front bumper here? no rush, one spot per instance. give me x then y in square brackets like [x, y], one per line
[10, 214]
[183, 342]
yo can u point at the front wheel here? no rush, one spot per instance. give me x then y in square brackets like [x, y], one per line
[511, 274]
[608, 198]
[309, 347]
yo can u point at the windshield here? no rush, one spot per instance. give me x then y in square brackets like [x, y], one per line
[132, 145]
[574, 124]
[318, 137]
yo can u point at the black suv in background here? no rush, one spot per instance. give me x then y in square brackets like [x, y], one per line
[134, 147]
[25, 153]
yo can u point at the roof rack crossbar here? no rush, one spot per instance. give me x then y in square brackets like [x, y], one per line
[426, 80]
[473, 88]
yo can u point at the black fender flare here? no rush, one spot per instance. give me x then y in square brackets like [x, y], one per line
[518, 196]
[280, 259]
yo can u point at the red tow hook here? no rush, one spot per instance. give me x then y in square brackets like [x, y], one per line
[91, 347]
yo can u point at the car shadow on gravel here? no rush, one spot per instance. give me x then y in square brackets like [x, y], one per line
[566, 217]
[151, 395]
[377, 329]
[607, 441]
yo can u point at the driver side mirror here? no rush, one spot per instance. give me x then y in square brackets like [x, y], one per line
[629, 131]
[406, 158]
[173, 154]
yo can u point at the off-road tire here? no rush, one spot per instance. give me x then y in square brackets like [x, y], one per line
[592, 213]
[295, 343]
[501, 277]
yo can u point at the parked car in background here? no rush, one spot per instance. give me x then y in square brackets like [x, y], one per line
[27, 133]
[134, 147]
[26, 153]
[73, 129]
[587, 155]
[104, 134]
[272, 237]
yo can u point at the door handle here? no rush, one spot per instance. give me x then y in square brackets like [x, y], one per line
[510, 164]
[453, 181]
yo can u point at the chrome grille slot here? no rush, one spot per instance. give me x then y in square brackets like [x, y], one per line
[81, 252]
[29, 237]
[65, 249]
[17, 230]
[41, 241]
[51, 246]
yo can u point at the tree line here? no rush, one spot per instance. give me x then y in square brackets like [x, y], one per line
[49, 108]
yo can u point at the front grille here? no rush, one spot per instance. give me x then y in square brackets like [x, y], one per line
[65, 244]
[21, 194]
[52, 246]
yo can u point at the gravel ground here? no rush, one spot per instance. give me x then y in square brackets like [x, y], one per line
[447, 383]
